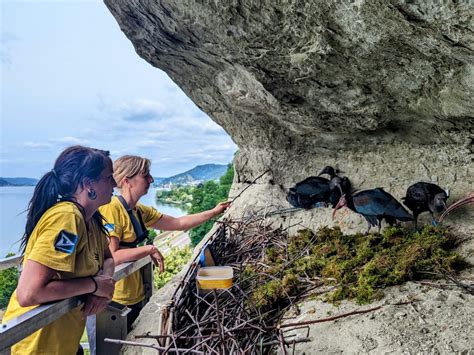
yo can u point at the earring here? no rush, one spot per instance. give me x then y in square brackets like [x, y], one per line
[91, 194]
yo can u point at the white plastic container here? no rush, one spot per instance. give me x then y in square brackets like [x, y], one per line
[214, 277]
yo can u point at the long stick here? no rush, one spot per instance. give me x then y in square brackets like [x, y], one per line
[339, 316]
[252, 183]
[156, 347]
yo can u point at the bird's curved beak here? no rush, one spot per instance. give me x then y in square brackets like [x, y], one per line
[444, 205]
[339, 205]
[469, 199]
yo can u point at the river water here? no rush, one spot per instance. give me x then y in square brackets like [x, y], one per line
[14, 201]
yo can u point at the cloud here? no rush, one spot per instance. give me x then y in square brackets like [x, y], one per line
[151, 122]
[149, 143]
[38, 145]
[143, 109]
[68, 140]
[7, 39]
[171, 131]
[55, 143]
[140, 117]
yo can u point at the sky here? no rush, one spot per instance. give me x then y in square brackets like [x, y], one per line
[70, 76]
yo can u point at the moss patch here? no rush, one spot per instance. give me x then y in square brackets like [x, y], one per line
[359, 266]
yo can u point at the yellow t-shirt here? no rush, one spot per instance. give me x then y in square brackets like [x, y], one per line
[128, 291]
[61, 242]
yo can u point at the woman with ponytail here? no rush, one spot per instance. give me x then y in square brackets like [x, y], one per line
[65, 253]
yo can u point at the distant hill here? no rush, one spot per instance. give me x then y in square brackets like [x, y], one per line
[4, 182]
[197, 174]
[158, 180]
[18, 181]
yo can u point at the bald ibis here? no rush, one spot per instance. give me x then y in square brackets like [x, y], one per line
[374, 205]
[337, 184]
[312, 190]
[423, 197]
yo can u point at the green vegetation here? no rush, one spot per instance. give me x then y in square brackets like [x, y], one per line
[151, 237]
[207, 196]
[200, 198]
[181, 196]
[8, 282]
[174, 262]
[359, 266]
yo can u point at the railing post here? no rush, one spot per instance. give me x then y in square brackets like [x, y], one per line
[147, 275]
[111, 323]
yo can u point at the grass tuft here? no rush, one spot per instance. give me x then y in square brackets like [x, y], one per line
[359, 266]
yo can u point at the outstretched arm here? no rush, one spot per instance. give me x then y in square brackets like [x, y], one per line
[186, 222]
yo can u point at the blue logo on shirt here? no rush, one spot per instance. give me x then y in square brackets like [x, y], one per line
[109, 227]
[66, 242]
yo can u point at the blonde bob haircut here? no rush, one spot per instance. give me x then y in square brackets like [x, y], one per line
[128, 166]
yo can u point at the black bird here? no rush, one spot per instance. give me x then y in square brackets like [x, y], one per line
[305, 194]
[374, 205]
[423, 197]
[338, 184]
[329, 170]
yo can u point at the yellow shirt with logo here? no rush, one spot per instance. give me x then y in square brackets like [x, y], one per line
[60, 241]
[128, 291]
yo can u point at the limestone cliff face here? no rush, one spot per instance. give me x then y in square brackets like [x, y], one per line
[317, 73]
[381, 89]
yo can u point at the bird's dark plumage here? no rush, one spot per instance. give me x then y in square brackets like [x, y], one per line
[306, 193]
[337, 184]
[425, 197]
[375, 205]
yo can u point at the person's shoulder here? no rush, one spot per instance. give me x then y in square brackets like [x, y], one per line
[143, 207]
[114, 204]
[113, 211]
[63, 207]
[63, 213]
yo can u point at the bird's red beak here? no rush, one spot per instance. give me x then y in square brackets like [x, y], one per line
[341, 203]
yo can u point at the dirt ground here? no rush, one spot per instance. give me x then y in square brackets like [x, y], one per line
[436, 322]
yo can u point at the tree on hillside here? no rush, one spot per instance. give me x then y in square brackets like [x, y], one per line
[205, 197]
[8, 282]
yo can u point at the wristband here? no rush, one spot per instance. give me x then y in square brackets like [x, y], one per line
[95, 284]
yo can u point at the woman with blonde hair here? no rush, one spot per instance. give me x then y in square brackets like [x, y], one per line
[127, 223]
[65, 251]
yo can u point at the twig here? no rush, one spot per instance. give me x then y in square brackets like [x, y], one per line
[252, 183]
[329, 319]
[156, 347]
[466, 287]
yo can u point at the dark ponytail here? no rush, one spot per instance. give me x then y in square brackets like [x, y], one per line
[71, 167]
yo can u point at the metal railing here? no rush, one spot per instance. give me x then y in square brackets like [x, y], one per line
[29, 322]
[10, 262]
